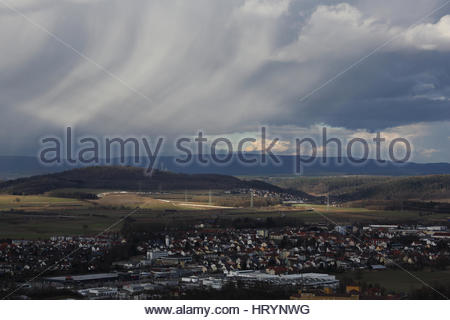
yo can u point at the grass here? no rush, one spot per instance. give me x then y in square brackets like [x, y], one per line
[33, 203]
[28, 225]
[13, 200]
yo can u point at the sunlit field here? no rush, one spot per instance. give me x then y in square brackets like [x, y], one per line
[33, 217]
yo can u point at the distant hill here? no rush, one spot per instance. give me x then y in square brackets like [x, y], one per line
[354, 188]
[433, 187]
[324, 185]
[128, 178]
[16, 167]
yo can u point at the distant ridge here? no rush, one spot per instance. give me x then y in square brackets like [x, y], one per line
[433, 187]
[130, 179]
[16, 167]
[378, 188]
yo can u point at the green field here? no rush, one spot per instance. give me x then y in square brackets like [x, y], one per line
[10, 201]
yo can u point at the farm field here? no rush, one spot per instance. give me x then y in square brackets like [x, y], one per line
[35, 217]
[38, 202]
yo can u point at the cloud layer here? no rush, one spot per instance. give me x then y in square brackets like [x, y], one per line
[175, 67]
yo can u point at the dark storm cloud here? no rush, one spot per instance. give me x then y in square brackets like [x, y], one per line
[389, 90]
[220, 66]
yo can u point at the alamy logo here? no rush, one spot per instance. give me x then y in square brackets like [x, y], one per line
[90, 150]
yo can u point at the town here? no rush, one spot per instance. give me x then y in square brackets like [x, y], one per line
[303, 261]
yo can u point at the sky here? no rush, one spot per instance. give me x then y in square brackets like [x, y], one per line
[171, 68]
